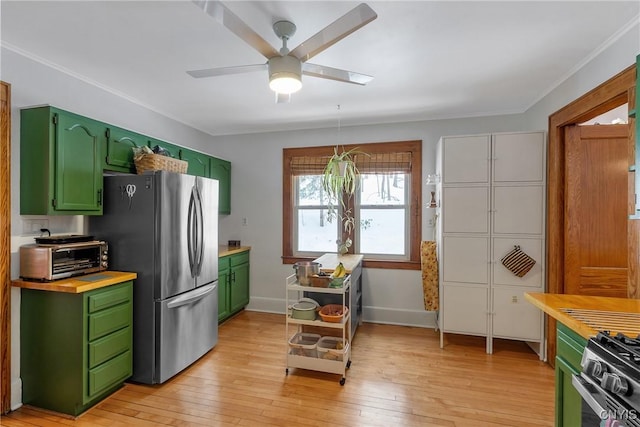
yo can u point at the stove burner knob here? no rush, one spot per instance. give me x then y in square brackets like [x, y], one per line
[595, 368]
[614, 384]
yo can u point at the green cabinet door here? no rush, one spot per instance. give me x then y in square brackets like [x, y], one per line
[60, 166]
[233, 282]
[221, 170]
[570, 347]
[224, 310]
[199, 164]
[118, 152]
[239, 283]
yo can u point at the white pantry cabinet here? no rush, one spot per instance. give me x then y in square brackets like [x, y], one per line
[492, 199]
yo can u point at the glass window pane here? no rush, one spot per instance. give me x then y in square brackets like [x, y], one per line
[310, 191]
[315, 233]
[382, 231]
[383, 189]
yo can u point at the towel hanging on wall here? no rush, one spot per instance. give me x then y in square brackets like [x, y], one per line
[518, 262]
[429, 262]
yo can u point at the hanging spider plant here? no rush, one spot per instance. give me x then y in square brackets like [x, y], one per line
[339, 181]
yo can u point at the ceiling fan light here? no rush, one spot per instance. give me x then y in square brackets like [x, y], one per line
[285, 84]
[285, 74]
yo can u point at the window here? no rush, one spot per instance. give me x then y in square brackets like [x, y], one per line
[386, 207]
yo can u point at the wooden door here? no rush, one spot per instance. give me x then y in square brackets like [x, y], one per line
[5, 245]
[595, 228]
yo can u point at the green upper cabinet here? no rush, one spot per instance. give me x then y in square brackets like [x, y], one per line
[221, 170]
[199, 164]
[118, 150]
[60, 163]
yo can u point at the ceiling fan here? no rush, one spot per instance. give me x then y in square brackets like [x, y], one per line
[286, 66]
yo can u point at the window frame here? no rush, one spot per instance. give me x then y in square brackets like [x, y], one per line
[415, 212]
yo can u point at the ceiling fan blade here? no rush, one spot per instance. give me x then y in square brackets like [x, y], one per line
[237, 26]
[335, 74]
[334, 32]
[222, 71]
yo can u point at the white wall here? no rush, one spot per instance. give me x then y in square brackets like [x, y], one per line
[392, 296]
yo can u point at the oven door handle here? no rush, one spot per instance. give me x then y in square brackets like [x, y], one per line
[582, 386]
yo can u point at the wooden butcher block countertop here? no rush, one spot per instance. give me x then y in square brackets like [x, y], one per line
[587, 315]
[78, 284]
[224, 250]
[329, 262]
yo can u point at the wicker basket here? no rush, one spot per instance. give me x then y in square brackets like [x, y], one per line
[154, 162]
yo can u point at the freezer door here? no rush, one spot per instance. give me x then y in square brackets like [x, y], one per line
[187, 328]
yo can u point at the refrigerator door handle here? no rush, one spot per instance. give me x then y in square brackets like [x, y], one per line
[192, 297]
[191, 245]
[199, 214]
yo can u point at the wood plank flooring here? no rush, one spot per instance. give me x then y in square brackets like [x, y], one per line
[399, 376]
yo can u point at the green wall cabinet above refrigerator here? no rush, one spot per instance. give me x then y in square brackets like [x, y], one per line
[60, 166]
[63, 156]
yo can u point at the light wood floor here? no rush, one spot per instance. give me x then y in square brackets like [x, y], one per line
[399, 376]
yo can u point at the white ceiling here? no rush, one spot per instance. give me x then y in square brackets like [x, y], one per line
[430, 59]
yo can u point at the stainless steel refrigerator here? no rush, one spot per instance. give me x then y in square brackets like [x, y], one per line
[164, 226]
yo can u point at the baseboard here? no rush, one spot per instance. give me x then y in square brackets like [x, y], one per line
[16, 394]
[390, 316]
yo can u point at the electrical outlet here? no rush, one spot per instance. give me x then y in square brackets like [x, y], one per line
[245, 222]
[431, 222]
[33, 226]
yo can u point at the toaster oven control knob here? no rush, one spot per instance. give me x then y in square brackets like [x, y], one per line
[595, 368]
[104, 264]
[614, 384]
[105, 257]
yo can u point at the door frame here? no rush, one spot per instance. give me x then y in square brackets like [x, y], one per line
[613, 93]
[5, 249]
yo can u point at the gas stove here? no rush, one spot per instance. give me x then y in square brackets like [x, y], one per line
[611, 375]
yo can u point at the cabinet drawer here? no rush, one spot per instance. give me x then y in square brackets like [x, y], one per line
[107, 321]
[238, 259]
[110, 373]
[110, 297]
[107, 347]
[570, 347]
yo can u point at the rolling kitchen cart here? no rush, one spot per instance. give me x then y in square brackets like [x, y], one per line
[303, 351]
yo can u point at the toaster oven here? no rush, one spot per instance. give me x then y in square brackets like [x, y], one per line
[46, 262]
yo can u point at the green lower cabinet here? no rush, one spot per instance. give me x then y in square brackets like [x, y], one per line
[570, 347]
[234, 272]
[75, 348]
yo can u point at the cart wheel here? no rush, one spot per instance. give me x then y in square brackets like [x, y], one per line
[286, 371]
[348, 364]
[342, 380]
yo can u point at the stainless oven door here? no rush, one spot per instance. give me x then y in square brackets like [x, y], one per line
[595, 410]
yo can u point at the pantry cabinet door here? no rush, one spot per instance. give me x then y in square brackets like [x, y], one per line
[513, 316]
[519, 157]
[465, 210]
[465, 259]
[464, 309]
[518, 209]
[466, 159]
